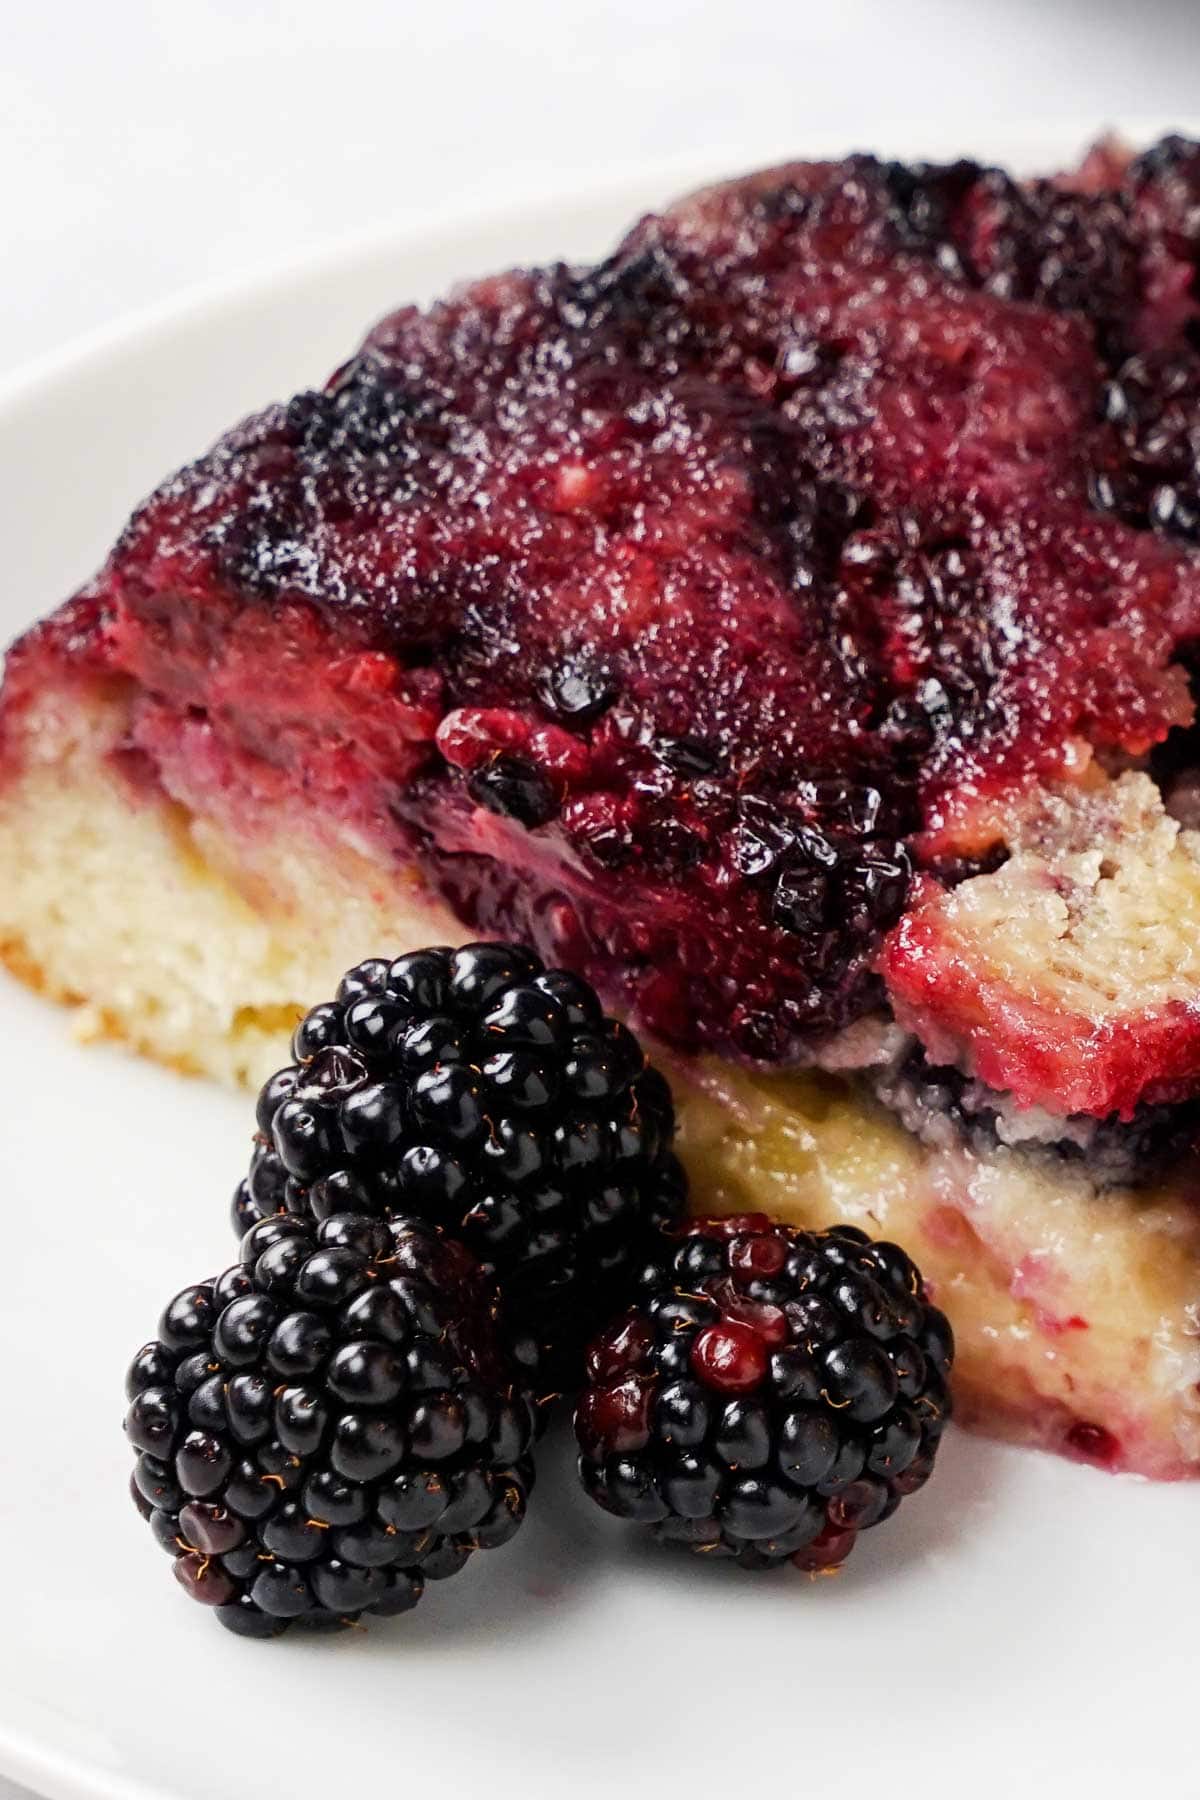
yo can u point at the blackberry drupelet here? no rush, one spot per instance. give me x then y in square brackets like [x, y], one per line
[329, 1424]
[491, 1095]
[772, 1393]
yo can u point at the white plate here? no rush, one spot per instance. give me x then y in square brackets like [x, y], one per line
[1022, 1626]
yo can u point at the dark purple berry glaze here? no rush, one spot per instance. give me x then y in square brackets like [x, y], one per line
[670, 612]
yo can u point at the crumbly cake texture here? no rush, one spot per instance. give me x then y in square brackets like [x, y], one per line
[167, 928]
[788, 623]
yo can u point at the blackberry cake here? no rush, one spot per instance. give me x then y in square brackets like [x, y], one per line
[789, 624]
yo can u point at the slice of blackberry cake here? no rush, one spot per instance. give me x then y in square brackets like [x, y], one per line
[789, 623]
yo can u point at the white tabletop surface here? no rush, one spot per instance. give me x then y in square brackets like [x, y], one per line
[147, 147]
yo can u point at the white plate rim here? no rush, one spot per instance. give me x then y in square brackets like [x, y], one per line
[189, 306]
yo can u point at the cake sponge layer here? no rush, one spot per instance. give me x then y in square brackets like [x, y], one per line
[159, 928]
[1076, 1312]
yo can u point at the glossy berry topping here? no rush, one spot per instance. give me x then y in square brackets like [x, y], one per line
[771, 1394]
[329, 1423]
[479, 1090]
[671, 612]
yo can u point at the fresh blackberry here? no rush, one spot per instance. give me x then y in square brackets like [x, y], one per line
[329, 1423]
[491, 1095]
[772, 1393]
